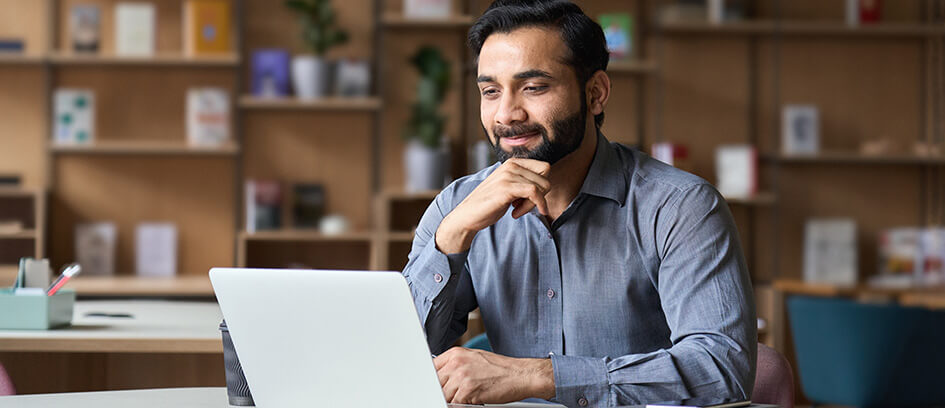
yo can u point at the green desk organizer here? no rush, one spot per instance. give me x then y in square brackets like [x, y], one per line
[35, 312]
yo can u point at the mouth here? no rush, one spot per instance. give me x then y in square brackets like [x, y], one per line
[522, 139]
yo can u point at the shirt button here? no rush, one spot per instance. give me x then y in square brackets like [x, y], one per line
[551, 293]
[551, 353]
[582, 401]
[548, 235]
[438, 278]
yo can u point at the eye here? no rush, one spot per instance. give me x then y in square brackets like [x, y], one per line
[489, 92]
[535, 88]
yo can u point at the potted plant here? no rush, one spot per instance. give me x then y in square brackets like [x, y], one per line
[424, 160]
[310, 72]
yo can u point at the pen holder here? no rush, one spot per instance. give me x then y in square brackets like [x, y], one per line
[35, 311]
[237, 390]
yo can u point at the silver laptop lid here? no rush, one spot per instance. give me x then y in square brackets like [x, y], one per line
[327, 338]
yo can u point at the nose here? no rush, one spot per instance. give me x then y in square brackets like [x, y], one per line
[510, 110]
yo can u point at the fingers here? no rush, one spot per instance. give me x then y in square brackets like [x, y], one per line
[536, 166]
[535, 178]
[535, 197]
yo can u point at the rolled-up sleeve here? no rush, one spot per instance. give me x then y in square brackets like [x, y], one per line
[440, 283]
[705, 293]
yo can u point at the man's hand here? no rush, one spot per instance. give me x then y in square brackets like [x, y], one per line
[480, 377]
[521, 183]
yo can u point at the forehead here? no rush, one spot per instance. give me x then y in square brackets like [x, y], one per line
[504, 54]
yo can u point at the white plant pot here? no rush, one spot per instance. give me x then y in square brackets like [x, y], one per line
[310, 76]
[425, 168]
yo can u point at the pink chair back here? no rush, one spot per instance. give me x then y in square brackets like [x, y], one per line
[6, 384]
[774, 380]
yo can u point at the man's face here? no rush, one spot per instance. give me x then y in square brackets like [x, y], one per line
[531, 105]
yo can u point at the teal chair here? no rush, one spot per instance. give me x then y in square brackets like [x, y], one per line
[868, 355]
[480, 342]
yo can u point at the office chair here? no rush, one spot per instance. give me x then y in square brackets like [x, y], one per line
[6, 384]
[868, 355]
[774, 379]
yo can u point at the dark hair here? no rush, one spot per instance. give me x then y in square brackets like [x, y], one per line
[583, 37]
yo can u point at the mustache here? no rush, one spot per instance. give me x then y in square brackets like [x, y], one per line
[509, 131]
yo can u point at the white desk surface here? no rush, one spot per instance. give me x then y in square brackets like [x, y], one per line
[155, 327]
[160, 398]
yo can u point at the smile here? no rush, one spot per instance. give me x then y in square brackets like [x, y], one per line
[522, 139]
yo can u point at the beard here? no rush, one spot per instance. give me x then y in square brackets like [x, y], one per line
[568, 132]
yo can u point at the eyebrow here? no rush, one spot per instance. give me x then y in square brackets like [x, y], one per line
[532, 73]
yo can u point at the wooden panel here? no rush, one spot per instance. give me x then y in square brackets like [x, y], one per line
[194, 193]
[865, 90]
[40, 373]
[26, 20]
[23, 114]
[333, 149]
[705, 106]
[169, 25]
[142, 103]
[832, 191]
[397, 257]
[308, 255]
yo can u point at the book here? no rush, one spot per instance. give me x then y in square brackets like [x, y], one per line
[73, 116]
[208, 116]
[618, 32]
[427, 9]
[206, 27]
[270, 73]
[156, 249]
[308, 205]
[736, 170]
[11, 46]
[134, 29]
[800, 129]
[263, 205]
[95, 248]
[673, 154]
[830, 253]
[932, 261]
[85, 28]
[911, 256]
[352, 78]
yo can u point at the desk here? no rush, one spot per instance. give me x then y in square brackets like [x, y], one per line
[164, 398]
[134, 286]
[164, 344]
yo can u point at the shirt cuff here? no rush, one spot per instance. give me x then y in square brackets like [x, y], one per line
[435, 269]
[581, 381]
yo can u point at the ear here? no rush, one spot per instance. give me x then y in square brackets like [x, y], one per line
[598, 92]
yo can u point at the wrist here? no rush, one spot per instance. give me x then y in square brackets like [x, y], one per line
[451, 238]
[542, 379]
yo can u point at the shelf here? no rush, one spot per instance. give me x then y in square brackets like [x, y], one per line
[401, 237]
[24, 234]
[327, 104]
[759, 199]
[399, 21]
[126, 286]
[856, 158]
[637, 67]
[21, 59]
[802, 28]
[409, 196]
[17, 192]
[305, 235]
[145, 148]
[223, 60]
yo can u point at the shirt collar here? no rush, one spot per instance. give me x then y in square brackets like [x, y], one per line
[605, 178]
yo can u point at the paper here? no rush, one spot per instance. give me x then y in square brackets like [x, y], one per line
[95, 248]
[156, 249]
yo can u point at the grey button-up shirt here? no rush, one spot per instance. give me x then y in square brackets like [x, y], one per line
[638, 291]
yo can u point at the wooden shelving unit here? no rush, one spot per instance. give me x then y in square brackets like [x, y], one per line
[157, 60]
[804, 28]
[26, 208]
[367, 104]
[759, 199]
[396, 20]
[145, 147]
[638, 67]
[859, 159]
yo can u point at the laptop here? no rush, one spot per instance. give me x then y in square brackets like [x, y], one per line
[328, 338]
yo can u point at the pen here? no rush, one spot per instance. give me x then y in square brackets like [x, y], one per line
[67, 274]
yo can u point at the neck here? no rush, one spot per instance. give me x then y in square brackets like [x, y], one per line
[568, 174]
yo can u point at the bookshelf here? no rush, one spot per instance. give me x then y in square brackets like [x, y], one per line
[22, 229]
[803, 28]
[145, 147]
[157, 60]
[367, 104]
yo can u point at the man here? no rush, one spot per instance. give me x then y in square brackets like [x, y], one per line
[603, 277]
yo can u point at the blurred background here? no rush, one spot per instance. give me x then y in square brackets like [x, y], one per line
[151, 141]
